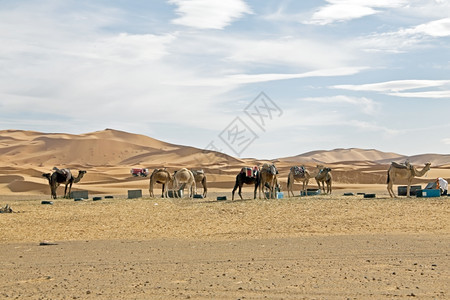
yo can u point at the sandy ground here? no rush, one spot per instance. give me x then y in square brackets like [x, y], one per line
[318, 247]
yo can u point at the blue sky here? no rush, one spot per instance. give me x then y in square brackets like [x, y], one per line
[334, 74]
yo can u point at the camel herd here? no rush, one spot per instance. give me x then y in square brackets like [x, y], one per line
[265, 177]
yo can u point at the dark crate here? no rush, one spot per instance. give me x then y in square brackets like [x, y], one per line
[79, 194]
[133, 194]
[412, 192]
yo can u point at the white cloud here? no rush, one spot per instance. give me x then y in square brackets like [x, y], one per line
[446, 141]
[437, 28]
[429, 94]
[405, 39]
[394, 86]
[345, 10]
[368, 106]
[209, 14]
[239, 79]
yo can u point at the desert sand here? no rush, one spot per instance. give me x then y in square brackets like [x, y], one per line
[315, 247]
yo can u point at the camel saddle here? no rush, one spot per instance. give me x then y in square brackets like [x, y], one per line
[273, 170]
[401, 166]
[250, 172]
[299, 171]
[63, 172]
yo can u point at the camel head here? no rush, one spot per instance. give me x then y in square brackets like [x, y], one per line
[48, 176]
[80, 175]
[322, 173]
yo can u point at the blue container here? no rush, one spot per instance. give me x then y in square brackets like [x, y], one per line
[428, 193]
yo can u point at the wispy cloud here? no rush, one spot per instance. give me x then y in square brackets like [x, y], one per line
[345, 10]
[397, 88]
[394, 86]
[209, 14]
[367, 106]
[446, 141]
[429, 95]
[437, 28]
[370, 126]
[405, 39]
[239, 79]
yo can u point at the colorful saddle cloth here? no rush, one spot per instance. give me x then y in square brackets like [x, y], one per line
[299, 171]
[250, 172]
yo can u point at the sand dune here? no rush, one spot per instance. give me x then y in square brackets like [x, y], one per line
[108, 156]
[340, 155]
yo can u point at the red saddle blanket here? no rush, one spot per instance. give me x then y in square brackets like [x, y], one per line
[250, 172]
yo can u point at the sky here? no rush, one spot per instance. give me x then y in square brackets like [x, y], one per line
[254, 78]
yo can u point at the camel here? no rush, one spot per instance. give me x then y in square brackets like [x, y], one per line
[243, 178]
[324, 176]
[297, 174]
[182, 178]
[404, 171]
[200, 177]
[268, 175]
[161, 176]
[62, 176]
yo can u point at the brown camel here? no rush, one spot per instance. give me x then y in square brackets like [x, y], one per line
[62, 176]
[324, 176]
[246, 176]
[184, 178]
[161, 176]
[404, 171]
[200, 177]
[269, 176]
[297, 174]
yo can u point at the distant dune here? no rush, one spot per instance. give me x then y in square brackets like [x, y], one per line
[344, 155]
[369, 155]
[109, 154]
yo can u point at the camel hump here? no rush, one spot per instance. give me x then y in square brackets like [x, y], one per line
[401, 166]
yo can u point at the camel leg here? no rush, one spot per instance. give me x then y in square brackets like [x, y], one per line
[205, 188]
[303, 189]
[65, 189]
[407, 190]
[234, 190]
[289, 187]
[240, 192]
[162, 190]
[390, 190]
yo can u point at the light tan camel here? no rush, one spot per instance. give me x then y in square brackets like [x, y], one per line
[184, 178]
[62, 176]
[407, 172]
[268, 176]
[161, 176]
[324, 176]
[200, 177]
[297, 174]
